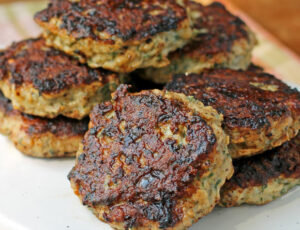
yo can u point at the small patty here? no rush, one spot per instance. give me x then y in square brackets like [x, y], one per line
[222, 40]
[152, 160]
[118, 35]
[263, 178]
[40, 137]
[260, 111]
[45, 82]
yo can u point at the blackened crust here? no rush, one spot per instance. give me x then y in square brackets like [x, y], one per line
[259, 170]
[234, 94]
[126, 19]
[218, 30]
[46, 69]
[33, 126]
[255, 68]
[136, 173]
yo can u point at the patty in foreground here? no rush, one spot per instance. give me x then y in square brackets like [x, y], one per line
[45, 82]
[263, 178]
[260, 111]
[152, 160]
[40, 137]
[117, 35]
[222, 40]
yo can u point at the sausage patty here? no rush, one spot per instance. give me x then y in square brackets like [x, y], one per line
[41, 137]
[222, 40]
[45, 82]
[263, 178]
[260, 111]
[152, 160]
[118, 35]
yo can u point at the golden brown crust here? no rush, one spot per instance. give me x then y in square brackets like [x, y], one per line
[41, 137]
[252, 102]
[32, 63]
[142, 155]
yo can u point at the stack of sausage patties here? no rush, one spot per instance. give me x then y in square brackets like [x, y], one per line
[154, 159]
[262, 118]
[261, 113]
[47, 90]
[46, 97]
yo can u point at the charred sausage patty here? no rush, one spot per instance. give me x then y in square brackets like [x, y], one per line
[222, 40]
[260, 111]
[265, 177]
[152, 160]
[45, 82]
[118, 35]
[41, 137]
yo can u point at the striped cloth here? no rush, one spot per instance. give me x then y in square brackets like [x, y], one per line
[16, 23]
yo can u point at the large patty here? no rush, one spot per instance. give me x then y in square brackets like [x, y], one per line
[152, 160]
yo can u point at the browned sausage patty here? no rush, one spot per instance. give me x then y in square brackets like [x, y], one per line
[45, 82]
[152, 160]
[260, 111]
[41, 137]
[223, 40]
[265, 177]
[118, 35]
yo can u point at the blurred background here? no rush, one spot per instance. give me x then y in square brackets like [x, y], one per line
[280, 18]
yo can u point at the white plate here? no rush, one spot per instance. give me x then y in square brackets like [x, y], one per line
[35, 194]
